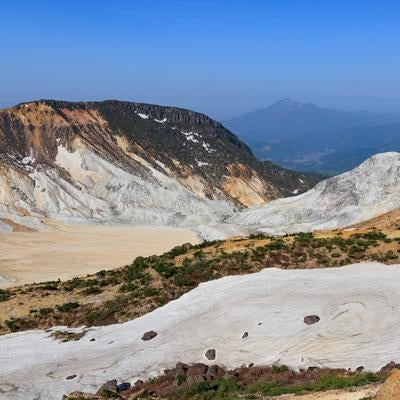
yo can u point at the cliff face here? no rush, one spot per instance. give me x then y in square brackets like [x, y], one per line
[97, 160]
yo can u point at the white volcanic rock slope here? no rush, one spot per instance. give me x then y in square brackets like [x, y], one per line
[371, 189]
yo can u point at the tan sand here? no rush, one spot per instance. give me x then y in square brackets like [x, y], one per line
[342, 394]
[64, 252]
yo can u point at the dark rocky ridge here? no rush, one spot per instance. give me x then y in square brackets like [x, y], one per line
[212, 162]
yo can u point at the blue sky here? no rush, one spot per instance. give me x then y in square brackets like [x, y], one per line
[219, 57]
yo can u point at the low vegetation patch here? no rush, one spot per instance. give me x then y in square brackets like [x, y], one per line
[150, 282]
[203, 382]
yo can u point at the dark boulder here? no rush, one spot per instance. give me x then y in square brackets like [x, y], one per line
[70, 377]
[245, 335]
[210, 354]
[149, 335]
[311, 319]
[123, 386]
[109, 386]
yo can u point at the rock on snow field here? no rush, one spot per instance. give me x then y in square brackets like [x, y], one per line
[358, 306]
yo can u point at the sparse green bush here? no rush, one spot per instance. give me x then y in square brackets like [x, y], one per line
[277, 244]
[92, 290]
[67, 307]
[45, 311]
[4, 295]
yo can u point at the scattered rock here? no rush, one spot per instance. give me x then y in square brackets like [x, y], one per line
[260, 323]
[92, 339]
[389, 366]
[138, 385]
[123, 386]
[111, 386]
[251, 365]
[245, 335]
[210, 354]
[68, 378]
[215, 371]
[67, 336]
[197, 369]
[149, 335]
[359, 369]
[180, 369]
[311, 319]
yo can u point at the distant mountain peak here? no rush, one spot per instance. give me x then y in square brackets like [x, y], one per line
[289, 104]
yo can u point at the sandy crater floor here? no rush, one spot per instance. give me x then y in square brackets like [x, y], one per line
[65, 251]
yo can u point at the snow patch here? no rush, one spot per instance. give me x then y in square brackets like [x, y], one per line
[207, 147]
[215, 315]
[190, 136]
[28, 160]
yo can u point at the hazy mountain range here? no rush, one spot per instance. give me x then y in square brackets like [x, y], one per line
[309, 138]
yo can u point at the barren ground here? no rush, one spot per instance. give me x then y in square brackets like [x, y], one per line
[340, 394]
[64, 252]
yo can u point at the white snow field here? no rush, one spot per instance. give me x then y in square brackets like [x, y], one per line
[358, 306]
[371, 189]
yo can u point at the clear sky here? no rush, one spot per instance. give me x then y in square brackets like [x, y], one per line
[215, 56]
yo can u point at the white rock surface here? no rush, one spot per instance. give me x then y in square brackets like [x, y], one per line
[101, 192]
[369, 190]
[359, 307]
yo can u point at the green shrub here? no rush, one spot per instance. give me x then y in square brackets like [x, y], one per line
[277, 244]
[177, 251]
[16, 324]
[129, 287]
[165, 269]
[280, 368]
[67, 307]
[45, 311]
[4, 295]
[136, 269]
[49, 286]
[92, 290]
[216, 389]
